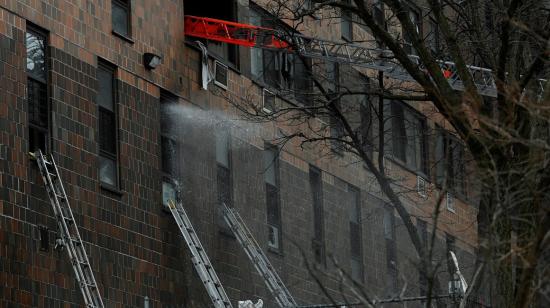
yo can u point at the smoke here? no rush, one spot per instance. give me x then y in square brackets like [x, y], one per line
[181, 118]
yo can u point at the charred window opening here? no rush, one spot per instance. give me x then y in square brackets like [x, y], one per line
[450, 162]
[283, 71]
[223, 10]
[346, 24]
[44, 238]
[37, 91]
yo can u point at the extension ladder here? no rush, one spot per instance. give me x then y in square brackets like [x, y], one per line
[199, 258]
[258, 258]
[70, 236]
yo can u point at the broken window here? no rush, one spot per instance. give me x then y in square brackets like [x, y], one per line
[37, 94]
[281, 70]
[224, 10]
[108, 170]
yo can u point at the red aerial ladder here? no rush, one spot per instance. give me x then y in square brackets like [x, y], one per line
[374, 58]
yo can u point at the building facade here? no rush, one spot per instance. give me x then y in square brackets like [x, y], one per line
[127, 138]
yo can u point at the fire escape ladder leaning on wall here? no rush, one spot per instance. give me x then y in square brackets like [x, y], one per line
[252, 249]
[70, 237]
[373, 58]
[200, 259]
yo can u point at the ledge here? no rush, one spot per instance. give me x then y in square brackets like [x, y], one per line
[123, 37]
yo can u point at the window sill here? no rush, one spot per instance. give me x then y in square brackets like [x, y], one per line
[111, 189]
[403, 165]
[275, 251]
[123, 37]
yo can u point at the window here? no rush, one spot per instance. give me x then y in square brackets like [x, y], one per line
[318, 242]
[450, 162]
[391, 254]
[271, 178]
[346, 23]
[37, 93]
[366, 129]
[121, 17]
[224, 10]
[408, 137]
[108, 170]
[169, 149]
[337, 131]
[414, 15]
[355, 234]
[223, 159]
[434, 39]
[280, 70]
[422, 229]
[378, 13]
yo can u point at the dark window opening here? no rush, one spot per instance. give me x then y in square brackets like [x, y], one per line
[169, 149]
[223, 175]
[108, 135]
[337, 134]
[271, 178]
[318, 242]
[408, 137]
[283, 71]
[44, 237]
[450, 162]
[346, 24]
[356, 250]
[367, 126]
[450, 243]
[37, 91]
[434, 37]
[416, 20]
[391, 250]
[223, 10]
[121, 17]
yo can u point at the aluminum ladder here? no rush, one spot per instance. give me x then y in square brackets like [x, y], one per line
[199, 258]
[70, 237]
[258, 258]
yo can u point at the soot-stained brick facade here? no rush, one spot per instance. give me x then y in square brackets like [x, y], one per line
[133, 244]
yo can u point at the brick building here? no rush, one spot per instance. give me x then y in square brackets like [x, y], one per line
[74, 83]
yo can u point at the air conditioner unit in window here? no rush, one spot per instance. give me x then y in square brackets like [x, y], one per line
[421, 186]
[220, 74]
[450, 201]
[273, 237]
[268, 101]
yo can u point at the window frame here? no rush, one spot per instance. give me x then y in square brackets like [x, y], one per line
[448, 162]
[127, 6]
[397, 122]
[111, 69]
[34, 128]
[277, 223]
